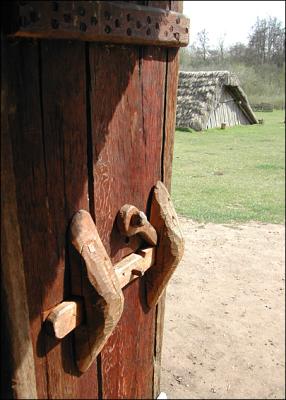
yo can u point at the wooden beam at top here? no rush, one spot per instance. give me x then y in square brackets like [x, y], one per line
[98, 21]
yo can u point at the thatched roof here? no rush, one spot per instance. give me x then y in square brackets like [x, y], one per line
[199, 93]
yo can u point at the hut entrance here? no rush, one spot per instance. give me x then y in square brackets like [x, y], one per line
[226, 111]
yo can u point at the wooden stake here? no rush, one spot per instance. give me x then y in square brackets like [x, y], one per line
[64, 318]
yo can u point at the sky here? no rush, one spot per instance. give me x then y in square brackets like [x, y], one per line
[231, 20]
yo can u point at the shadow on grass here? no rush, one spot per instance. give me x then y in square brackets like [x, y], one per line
[184, 129]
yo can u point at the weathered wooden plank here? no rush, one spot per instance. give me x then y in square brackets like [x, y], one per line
[25, 127]
[102, 21]
[223, 113]
[50, 167]
[113, 140]
[153, 76]
[114, 108]
[170, 115]
[65, 140]
[19, 360]
[159, 331]
[153, 73]
[125, 145]
[227, 114]
[167, 158]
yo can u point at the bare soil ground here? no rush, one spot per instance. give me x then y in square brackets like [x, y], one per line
[224, 335]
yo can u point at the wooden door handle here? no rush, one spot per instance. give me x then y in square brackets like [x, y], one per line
[170, 246]
[101, 275]
[158, 263]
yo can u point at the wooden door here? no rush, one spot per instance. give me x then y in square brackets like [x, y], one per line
[86, 125]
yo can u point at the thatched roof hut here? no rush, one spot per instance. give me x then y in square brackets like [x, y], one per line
[206, 99]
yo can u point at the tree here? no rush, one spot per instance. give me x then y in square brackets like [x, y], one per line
[203, 42]
[259, 64]
[238, 52]
[257, 41]
[267, 41]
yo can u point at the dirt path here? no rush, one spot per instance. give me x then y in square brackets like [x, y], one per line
[225, 314]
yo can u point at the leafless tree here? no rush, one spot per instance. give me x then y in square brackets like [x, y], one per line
[267, 41]
[203, 40]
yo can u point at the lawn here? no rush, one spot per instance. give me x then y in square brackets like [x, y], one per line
[236, 174]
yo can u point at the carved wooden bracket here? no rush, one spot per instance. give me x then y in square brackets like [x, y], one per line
[170, 247]
[99, 21]
[103, 308]
[101, 274]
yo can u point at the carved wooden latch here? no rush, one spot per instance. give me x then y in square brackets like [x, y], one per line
[104, 306]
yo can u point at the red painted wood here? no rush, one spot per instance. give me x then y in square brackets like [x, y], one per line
[25, 128]
[90, 126]
[100, 21]
[50, 164]
[127, 137]
[170, 115]
[65, 139]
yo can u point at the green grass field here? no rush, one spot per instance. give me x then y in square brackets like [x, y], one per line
[232, 175]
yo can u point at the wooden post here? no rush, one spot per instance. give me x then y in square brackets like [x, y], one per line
[82, 130]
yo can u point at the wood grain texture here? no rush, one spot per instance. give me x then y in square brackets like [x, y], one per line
[65, 142]
[170, 115]
[25, 128]
[50, 166]
[159, 332]
[20, 358]
[167, 158]
[170, 245]
[127, 142]
[100, 21]
[228, 111]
